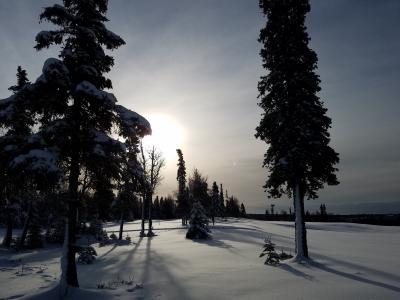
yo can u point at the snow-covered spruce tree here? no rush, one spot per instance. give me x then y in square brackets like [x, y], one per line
[182, 197]
[77, 115]
[15, 123]
[198, 189]
[198, 223]
[294, 123]
[24, 159]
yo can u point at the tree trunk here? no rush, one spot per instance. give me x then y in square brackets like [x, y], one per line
[300, 226]
[121, 225]
[26, 226]
[143, 214]
[68, 259]
[150, 231]
[8, 236]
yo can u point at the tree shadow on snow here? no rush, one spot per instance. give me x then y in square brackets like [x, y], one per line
[160, 264]
[358, 267]
[313, 264]
[115, 244]
[295, 272]
[354, 277]
[215, 243]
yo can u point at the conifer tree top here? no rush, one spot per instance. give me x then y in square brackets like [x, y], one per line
[294, 122]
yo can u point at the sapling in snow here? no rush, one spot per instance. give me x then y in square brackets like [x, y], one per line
[198, 223]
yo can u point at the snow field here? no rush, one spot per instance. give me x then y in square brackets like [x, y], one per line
[350, 261]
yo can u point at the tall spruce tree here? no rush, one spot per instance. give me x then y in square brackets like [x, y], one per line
[294, 123]
[17, 121]
[214, 201]
[221, 201]
[77, 115]
[198, 189]
[182, 198]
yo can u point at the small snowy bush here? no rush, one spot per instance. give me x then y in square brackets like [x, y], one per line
[113, 236]
[103, 238]
[87, 255]
[198, 228]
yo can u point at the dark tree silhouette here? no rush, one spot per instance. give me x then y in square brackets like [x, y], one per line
[17, 120]
[294, 123]
[198, 189]
[242, 210]
[76, 114]
[151, 163]
[182, 197]
[198, 228]
[214, 201]
[221, 201]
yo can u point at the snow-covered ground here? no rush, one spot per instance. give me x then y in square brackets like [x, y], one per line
[350, 261]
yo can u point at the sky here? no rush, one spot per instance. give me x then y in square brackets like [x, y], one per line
[192, 67]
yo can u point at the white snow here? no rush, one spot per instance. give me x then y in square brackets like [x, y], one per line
[38, 159]
[54, 66]
[350, 261]
[131, 121]
[87, 88]
[44, 36]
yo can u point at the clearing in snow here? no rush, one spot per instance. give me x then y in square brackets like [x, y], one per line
[350, 261]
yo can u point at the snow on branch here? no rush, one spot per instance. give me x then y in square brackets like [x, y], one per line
[103, 141]
[112, 40]
[41, 160]
[47, 37]
[108, 38]
[88, 89]
[132, 123]
[54, 70]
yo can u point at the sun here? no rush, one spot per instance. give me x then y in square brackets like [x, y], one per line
[167, 134]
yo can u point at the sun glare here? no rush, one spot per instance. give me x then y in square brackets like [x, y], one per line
[167, 134]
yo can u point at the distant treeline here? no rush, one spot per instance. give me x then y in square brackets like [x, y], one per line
[372, 219]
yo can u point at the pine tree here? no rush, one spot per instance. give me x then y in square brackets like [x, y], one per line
[35, 237]
[294, 123]
[214, 201]
[232, 207]
[76, 114]
[183, 201]
[243, 211]
[198, 189]
[198, 228]
[17, 175]
[156, 208]
[222, 201]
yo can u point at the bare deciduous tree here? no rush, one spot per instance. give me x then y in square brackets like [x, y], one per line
[152, 162]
